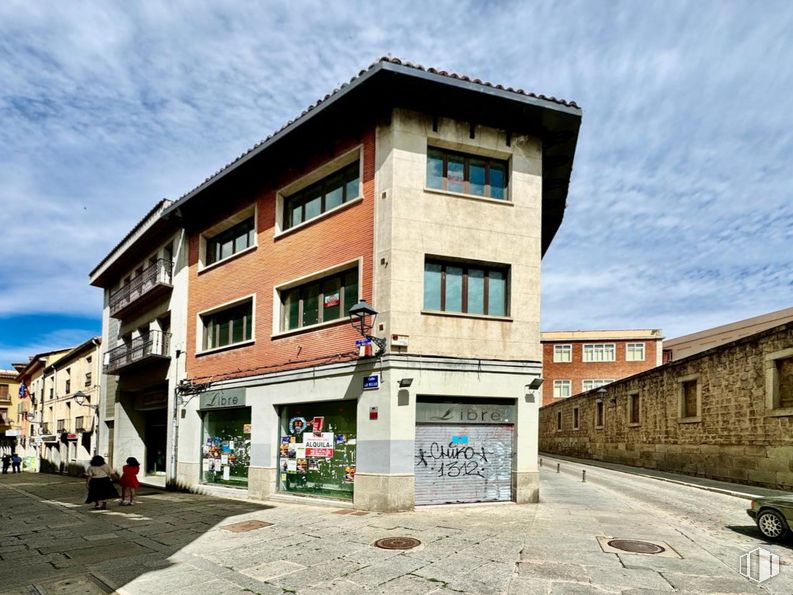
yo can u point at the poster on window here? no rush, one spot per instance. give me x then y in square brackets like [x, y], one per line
[332, 299]
[319, 445]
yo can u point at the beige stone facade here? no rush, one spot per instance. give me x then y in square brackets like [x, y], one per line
[687, 345]
[68, 429]
[725, 413]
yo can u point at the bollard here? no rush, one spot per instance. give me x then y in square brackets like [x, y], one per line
[583, 475]
[557, 467]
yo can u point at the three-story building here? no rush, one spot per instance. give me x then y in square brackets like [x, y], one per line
[432, 197]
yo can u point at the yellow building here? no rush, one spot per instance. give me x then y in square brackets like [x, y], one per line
[10, 416]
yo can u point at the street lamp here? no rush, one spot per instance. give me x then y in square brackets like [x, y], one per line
[82, 400]
[358, 319]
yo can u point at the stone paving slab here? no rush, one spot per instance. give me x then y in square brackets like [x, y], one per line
[173, 544]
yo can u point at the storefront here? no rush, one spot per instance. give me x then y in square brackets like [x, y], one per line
[464, 451]
[225, 438]
[151, 407]
[317, 449]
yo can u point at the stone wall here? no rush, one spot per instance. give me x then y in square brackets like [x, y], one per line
[739, 430]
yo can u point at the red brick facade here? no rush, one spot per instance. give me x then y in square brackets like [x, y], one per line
[337, 238]
[578, 370]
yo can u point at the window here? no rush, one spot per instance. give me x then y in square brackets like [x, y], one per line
[562, 388]
[689, 406]
[4, 419]
[576, 413]
[68, 385]
[563, 353]
[465, 288]
[319, 301]
[468, 174]
[592, 384]
[52, 392]
[61, 425]
[3, 391]
[599, 352]
[779, 382]
[558, 421]
[88, 378]
[599, 413]
[327, 194]
[227, 243]
[228, 327]
[634, 409]
[634, 352]
[79, 424]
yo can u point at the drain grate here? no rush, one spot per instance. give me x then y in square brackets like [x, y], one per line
[397, 543]
[636, 547]
[245, 526]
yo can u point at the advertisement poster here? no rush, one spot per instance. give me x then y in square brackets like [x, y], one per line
[226, 472]
[319, 445]
[291, 465]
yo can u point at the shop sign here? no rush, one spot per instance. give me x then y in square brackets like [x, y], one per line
[71, 436]
[371, 382]
[10, 433]
[458, 413]
[223, 398]
[319, 445]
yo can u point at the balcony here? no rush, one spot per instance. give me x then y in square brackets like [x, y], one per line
[144, 349]
[154, 282]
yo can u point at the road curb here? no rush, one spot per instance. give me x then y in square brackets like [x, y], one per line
[599, 465]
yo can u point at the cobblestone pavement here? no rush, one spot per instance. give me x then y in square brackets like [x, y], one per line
[181, 543]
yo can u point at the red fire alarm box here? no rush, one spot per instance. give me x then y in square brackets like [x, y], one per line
[372, 412]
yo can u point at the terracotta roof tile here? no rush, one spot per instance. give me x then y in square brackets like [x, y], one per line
[384, 59]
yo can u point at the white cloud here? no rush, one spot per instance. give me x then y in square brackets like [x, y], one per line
[679, 211]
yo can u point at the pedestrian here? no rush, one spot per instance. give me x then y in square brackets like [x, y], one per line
[16, 462]
[6, 463]
[129, 481]
[99, 480]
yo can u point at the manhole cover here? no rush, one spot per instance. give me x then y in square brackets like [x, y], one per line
[397, 543]
[636, 547]
[245, 526]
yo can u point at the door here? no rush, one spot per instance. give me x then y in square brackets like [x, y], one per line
[463, 463]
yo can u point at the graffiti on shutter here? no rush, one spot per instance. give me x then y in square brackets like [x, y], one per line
[463, 463]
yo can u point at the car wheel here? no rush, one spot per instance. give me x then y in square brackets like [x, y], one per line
[772, 524]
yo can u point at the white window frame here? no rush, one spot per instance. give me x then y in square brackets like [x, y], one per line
[595, 383]
[629, 347]
[282, 195]
[559, 350]
[238, 217]
[278, 306]
[201, 329]
[603, 349]
[558, 384]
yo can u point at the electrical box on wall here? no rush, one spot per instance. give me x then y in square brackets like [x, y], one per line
[399, 341]
[372, 413]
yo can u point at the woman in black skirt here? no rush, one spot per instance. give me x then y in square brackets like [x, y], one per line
[100, 483]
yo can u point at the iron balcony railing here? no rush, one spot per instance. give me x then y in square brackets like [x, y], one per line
[153, 345]
[159, 274]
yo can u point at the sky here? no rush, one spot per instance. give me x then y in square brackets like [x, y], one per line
[680, 210]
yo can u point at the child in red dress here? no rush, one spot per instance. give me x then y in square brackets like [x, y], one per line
[129, 481]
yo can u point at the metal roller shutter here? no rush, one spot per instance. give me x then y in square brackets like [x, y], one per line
[463, 463]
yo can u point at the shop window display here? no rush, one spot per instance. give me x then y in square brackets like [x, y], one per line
[226, 447]
[317, 449]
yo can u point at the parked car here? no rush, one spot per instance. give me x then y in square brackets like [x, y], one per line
[773, 515]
